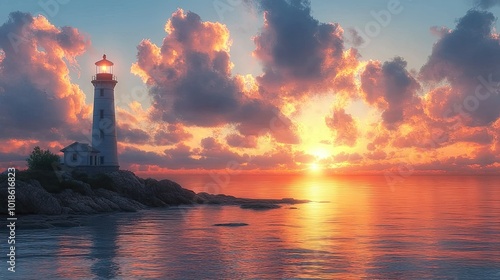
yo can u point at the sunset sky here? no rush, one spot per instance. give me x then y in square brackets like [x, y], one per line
[340, 87]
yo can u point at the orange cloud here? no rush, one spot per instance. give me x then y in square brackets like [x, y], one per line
[38, 100]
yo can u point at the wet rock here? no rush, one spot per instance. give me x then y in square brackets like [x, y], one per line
[259, 206]
[231, 225]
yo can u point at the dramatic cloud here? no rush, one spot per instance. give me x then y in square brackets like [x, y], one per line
[344, 126]
[37, 98]
[390, 87]
[171, 134]
[299, 54]
[468, 58]
[235, 140]
[128, 134]
[191, 82]
[203, 116]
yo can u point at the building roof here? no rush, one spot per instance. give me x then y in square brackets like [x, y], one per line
[80, 147]
[104, 62]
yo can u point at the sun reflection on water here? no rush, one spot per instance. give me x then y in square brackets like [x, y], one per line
[355, 227]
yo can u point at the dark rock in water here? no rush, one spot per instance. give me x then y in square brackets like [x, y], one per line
[231, 225]
[259, 206]
[293, 208]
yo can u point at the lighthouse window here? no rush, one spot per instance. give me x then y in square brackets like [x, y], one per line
[74, 157]
[102, 133]
[102, 92]
[101, 112]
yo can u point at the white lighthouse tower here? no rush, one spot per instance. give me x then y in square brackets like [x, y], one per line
[104, 121]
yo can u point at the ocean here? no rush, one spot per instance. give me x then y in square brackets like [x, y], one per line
[358, 227]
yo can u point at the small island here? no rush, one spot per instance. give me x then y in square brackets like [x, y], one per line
[61, 192]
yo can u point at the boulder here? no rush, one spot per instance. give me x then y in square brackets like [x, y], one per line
[170, 192]
[32, 198]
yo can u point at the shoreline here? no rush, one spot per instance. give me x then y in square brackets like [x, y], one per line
[39, 193]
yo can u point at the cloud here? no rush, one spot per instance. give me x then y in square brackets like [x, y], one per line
[347, 157]
[479, 136]
[172, 134]
[377, 155]
[191, 82]
[354, 38]
[468, 58]
[390, 87]
[239, 141]
[125, 133]
[37, 98]
[344, 126]
[486, 4]
[298, 53]
[212, 155]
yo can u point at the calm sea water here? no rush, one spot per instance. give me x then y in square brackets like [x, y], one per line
[419, 228]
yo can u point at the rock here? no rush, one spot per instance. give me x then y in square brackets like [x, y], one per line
[32, 198]
[259, 206]
[132, 187]
[64, 175]
[170, 192]
[123, 204]
[231, 225]
[78, 203]
[78, 186]
[73, 193]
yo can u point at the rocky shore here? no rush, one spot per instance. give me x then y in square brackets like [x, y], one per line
[66, 194]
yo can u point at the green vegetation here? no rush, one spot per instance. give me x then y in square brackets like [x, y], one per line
[42, 160]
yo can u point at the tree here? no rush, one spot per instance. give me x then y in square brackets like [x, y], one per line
[42, 159]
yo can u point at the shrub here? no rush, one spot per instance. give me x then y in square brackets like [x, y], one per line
[42, 160]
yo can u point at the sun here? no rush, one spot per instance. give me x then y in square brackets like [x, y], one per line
[320, 152]
[315, 167]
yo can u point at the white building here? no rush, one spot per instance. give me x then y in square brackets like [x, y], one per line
[80, 154]
[102, 156]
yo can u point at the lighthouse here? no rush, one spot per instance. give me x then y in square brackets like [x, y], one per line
[104, 121]
[101, 156]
